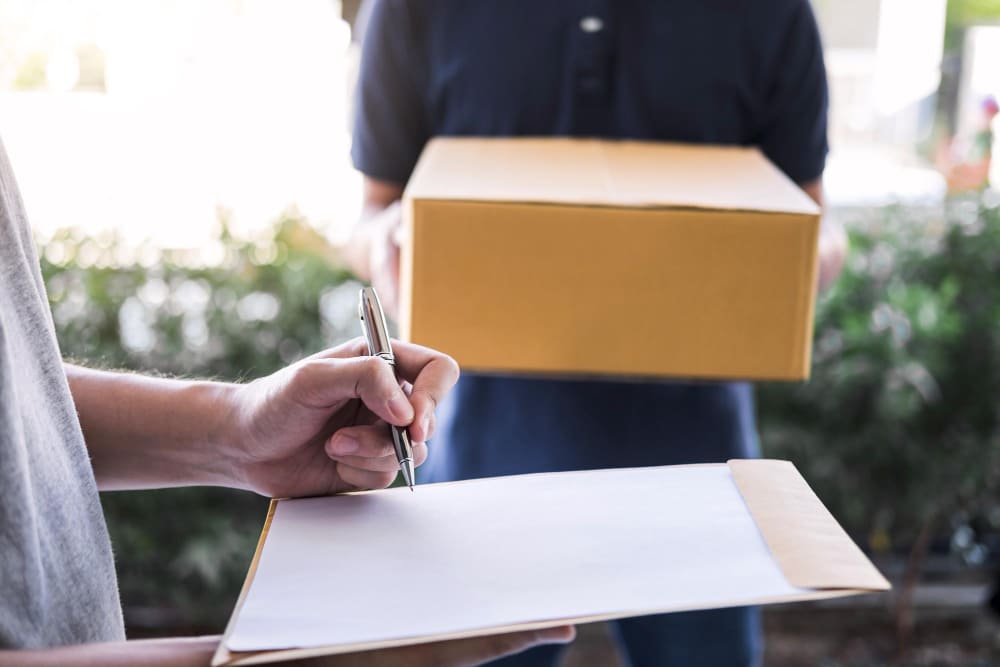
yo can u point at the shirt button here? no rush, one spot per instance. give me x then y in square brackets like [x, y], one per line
[591, 24]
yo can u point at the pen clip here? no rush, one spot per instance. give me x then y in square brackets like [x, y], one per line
[374, 325]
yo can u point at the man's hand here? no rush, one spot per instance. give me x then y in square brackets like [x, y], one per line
[373, 249]
[454, 653]
[832, 250]
[197, 652]
[322, 425]
[386, 228]
[316, 427]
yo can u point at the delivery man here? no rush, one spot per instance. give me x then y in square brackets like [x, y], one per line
[696, 71]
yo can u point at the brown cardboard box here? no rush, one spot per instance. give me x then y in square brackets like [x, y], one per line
[564, 256]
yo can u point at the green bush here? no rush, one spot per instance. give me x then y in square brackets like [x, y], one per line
[899, 425]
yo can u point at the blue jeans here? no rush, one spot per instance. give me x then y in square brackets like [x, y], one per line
[715, 638]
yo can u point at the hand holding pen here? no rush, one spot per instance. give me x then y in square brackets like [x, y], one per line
[320, 426]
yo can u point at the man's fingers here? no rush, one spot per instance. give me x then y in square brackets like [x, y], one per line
[325, 383]
[356, 347]
[387, 463]
[412, 360]
[431, 425]
[368, 442]
[454, 653]
[365, 479]
[478, 650]
[562, 634]
[432, 374]
[362, 441]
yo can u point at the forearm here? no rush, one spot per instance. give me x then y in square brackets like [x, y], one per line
[177, 652]
[144, 432]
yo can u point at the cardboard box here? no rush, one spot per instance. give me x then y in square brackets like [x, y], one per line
[567, 256]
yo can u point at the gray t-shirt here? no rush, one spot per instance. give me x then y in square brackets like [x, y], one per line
[57, 577]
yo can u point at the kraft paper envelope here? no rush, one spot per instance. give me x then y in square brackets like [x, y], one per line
[389, 568]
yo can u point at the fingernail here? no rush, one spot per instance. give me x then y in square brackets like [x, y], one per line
[343, 444]
[425, 427]
[401, 408]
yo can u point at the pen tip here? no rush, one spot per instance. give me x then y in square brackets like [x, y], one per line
[406, 467]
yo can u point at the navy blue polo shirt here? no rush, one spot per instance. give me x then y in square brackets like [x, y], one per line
[743, 72]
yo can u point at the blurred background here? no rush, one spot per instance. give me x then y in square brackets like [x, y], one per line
[185, 166]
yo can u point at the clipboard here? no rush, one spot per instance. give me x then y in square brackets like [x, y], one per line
[812, 553]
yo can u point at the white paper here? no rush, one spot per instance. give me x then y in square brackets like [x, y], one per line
[459, 557]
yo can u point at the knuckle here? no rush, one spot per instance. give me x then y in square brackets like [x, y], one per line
[369, 374]
[422, 395]
[371, 365]
[448, 364]
[300, 373]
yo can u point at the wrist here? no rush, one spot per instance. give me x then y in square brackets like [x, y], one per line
[226, 432]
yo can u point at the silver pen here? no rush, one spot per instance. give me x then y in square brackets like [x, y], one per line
[377, 335]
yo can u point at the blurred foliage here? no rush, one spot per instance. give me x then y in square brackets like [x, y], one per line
[963, 13]
[900, 422]
[31, 73]
[233, 309]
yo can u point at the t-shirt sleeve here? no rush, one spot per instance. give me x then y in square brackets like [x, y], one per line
[390, 121]
[794, 131]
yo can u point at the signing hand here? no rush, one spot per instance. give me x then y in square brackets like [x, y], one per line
[320, 426]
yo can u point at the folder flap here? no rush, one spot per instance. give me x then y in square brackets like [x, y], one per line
[810, 547]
